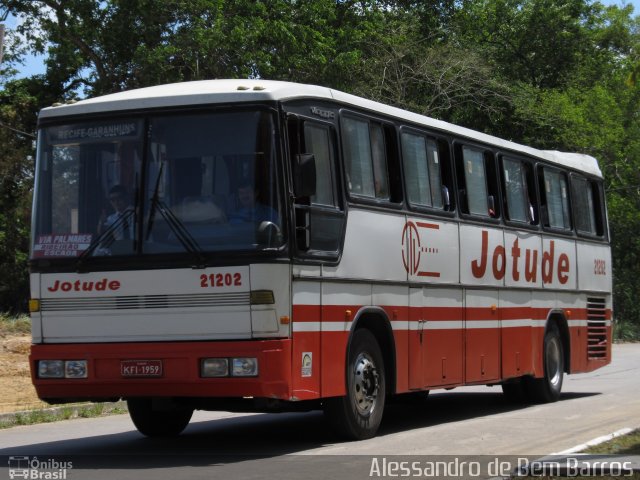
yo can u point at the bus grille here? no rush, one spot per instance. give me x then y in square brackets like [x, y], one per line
[146, 302]
[596, 328]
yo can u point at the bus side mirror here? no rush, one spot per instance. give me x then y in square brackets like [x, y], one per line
[305, 175]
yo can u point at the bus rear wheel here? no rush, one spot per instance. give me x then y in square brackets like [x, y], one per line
[357, 415]
[157, 423]
[547, 389]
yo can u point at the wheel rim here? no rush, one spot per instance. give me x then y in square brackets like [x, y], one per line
[554, 362]
[365, 385]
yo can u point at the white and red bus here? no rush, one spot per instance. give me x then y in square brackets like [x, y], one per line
[263, 246]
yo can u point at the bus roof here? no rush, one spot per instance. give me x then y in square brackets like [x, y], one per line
[229, 91]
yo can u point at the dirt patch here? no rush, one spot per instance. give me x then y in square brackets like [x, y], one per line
[16, 390]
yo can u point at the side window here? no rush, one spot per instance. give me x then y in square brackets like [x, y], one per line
[317, 141]
[422, 170]
[365, 158]
[318, 219]
[586, 205]
[555, 203]
[519, 191]
[477, 182]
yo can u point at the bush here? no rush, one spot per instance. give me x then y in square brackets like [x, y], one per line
[14, 324]
[626, 332]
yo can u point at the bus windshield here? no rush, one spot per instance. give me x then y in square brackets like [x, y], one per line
[198, 183]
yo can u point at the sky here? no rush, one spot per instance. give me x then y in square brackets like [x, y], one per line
[34, 64]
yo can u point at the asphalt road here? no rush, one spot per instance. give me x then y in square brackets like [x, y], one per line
[465, 424]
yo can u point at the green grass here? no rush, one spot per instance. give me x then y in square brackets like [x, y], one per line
[624, 445]
[64, 413]
[11, 325]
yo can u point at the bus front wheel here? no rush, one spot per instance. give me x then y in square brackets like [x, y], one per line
[157, 423]
[547, 389]
[357, 415]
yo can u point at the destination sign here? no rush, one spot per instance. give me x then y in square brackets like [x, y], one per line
[103, 131]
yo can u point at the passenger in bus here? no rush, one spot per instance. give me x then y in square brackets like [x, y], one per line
[122, 215]
[250, 209]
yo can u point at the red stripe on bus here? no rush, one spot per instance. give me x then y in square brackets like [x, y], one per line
[434, 226]
[333, 313]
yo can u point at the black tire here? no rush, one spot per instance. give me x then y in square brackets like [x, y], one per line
[547, 389]
[157, 423]
[357, 415]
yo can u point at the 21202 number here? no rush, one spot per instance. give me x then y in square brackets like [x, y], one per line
[214, 280]
[599, 267]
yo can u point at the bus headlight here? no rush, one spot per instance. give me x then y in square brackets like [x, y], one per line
[225, 367]
[51, 369]
[214, 367]
[244, 367]
[62, 369]
[75, 369]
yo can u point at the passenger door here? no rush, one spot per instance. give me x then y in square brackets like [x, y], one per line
[317, 238]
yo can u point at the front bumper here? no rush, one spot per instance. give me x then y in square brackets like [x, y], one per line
[180, 375]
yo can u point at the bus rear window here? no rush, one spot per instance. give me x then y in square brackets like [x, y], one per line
[587, 208]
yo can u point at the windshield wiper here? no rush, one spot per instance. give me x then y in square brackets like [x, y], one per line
[154, 203]
[106, 238]
[177, 227]
[182, 234]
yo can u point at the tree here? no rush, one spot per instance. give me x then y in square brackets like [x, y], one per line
[542, 43]
[402, 68]
[104, 47]
[18, 104]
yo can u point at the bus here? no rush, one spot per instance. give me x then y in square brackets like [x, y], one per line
[253, 245]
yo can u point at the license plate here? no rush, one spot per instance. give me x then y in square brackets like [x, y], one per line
[141, 368]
